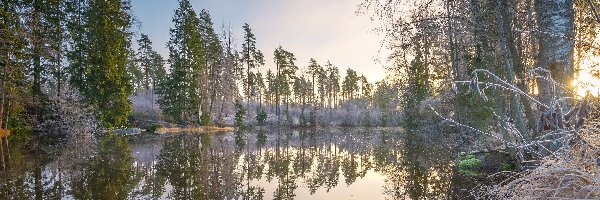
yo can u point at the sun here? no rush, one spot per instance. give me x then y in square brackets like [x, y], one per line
[588, 76]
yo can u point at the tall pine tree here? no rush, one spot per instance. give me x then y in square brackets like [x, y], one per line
[252, 57]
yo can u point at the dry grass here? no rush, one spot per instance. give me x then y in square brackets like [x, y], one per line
[568, 149]
[199, 129]
[572, 173]
[4, 133]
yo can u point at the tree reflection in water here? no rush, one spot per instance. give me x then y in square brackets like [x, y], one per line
[108, 175]
[260, 164]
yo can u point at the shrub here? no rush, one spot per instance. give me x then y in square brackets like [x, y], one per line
[261, 117]
[205, 119]
[240, 112]
[153, 127]
[506, 166]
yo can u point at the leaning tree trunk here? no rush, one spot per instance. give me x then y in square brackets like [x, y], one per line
[556, 27]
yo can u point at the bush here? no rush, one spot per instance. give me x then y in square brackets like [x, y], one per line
[506, 166]
[261, 117]
[205, 119]
[302, 120]
[313, 117]
[153, 127]
[240, 112]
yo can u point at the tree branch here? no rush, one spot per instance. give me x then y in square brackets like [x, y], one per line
[594, 11]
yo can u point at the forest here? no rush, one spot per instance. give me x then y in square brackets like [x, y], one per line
[520, 77]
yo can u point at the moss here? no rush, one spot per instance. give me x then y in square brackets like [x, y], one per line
[468, 162]
[468, 172]
[506, 166]
[467, 165]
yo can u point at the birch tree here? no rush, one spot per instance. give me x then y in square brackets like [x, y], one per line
[555, 20]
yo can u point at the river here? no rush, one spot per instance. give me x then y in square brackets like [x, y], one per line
[258, 164]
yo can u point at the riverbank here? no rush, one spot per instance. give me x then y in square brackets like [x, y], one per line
[199, 129]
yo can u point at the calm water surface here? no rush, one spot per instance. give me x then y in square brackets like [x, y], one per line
[267, 164]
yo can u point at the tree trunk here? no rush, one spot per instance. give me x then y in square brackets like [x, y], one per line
[511, 59]
[277, 88]
[556, 23]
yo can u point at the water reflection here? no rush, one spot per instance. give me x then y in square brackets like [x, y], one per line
[108, 175]
[263, 164]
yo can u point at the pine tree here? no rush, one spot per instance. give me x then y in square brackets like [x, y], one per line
[365, 88]
[286, 70]
[144, 58]
[227, 74]
[333, 75]
[159, 73]
[251, 56]
[350, 84]
[152, 66]
[260, 88]
[135, 73]
[270, 87]
[314, 69]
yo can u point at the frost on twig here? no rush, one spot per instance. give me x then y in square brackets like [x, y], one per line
[566, 146]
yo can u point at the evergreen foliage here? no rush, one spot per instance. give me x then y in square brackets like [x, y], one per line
[100, 69]
[182, 91]
[240, 113]
[261, 117]
[251, 57]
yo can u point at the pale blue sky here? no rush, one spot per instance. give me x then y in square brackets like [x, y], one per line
[320, 29]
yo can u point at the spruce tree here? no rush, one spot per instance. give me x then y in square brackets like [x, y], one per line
[333, 75]
[102, 78]
[77, 41]
[180, 94]
[12, 56]
[214, 63]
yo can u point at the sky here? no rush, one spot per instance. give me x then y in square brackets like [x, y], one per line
[320, 29]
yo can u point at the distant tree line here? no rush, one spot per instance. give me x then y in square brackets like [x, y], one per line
[207, 74]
